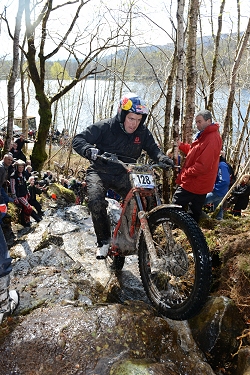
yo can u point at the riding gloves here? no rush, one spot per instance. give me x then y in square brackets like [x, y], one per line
[91, 153]
[165, 162]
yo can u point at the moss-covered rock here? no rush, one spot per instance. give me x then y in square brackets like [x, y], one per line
[60, 193]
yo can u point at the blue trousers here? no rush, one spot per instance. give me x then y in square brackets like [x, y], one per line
[5, 259]
[6, 197]
[215, 199]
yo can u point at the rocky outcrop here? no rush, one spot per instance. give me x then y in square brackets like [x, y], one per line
[77, 317]
[100, 340]
[216, 330]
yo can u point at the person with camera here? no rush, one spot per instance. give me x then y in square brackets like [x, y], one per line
[240, 195]
[126, 136]
[35, 189]
[48, 177]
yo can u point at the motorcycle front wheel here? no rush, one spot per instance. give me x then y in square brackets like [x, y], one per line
[178, 284]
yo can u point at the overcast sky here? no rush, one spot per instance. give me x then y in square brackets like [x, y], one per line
[158, 11]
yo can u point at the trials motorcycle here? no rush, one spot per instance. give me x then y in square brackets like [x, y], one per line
[173, 255]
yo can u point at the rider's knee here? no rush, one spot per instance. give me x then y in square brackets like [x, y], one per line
[98, 204]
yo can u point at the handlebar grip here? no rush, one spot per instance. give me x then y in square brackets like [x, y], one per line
[108, 157]
[165, 166]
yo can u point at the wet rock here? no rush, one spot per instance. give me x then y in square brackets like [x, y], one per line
[216, 330]
[104, 339]
[50, 276]
[244, 361]
[78, 317]
[141, 367]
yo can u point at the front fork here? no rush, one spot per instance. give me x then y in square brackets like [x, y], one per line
[154, 260]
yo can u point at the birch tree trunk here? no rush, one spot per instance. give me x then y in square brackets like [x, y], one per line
[228, 127]
[215, 59]
[166, 185]
[179, 70]
[13, 76]
[191, 71]
[241, 143]
[25, 103]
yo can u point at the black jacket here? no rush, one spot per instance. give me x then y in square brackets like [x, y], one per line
[109, 136]
[33, 191]
[241, 192]
[20, 143]
[18, 184]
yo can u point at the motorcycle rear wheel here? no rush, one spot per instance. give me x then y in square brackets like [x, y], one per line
[115, 262]
[70, 172]
[81, 174]
[179, 283]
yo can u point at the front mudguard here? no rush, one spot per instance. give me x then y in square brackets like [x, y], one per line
[157, 208]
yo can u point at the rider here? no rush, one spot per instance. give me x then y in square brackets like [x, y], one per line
[126, 136]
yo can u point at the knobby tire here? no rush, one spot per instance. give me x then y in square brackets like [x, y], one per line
[180, 286]
[116, 262]
[81, 174]
[70, 172]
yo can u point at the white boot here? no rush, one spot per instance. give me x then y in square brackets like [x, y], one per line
[9, 300]
[102, 252]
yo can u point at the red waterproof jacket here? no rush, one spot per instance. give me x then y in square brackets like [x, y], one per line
[200, 168]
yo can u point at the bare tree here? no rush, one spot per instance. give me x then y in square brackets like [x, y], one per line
[215, 58]
[180, 53]
[13, 75]
[97, 45]
[228, 129]
[242, 143]
[176, 77]
[168, 134]
[191, 71]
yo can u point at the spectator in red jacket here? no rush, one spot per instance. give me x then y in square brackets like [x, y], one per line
[198, 174]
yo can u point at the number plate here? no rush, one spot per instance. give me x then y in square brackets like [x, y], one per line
[143, 180]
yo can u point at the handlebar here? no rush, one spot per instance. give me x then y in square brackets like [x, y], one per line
[107, 157]
[113, 158]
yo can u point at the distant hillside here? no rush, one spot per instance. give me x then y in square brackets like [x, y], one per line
[152, 52]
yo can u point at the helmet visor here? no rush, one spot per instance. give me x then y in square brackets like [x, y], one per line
[140, 109]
